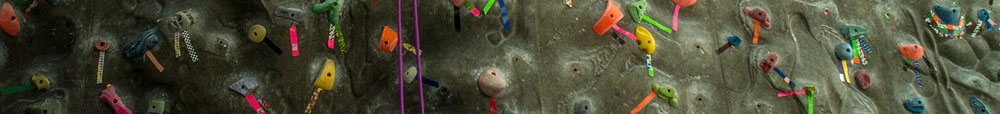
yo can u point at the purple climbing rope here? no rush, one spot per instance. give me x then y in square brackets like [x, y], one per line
[399, 26]
[420, 75]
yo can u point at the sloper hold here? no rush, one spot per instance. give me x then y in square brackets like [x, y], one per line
[769, 63]
[637, 10]
[10, 26]
[915, 105]
[611, 16]
[388, 42]
[244, 86]
[288, 17]
[844, 51]
[492, 82]
[912, 51]
[110, 96]
[862, 79]
[852, 32]
[156, 107]
[758, 15]
[410, 75]
[977, 106]
[948, 15]
[646, 41]
[41, 82]
[326, 78]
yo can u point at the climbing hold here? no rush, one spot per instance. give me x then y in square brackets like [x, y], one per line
[863, 80]
[458, 3]
[334, 6]
[492, 82]
[287, 17]
[637, 10]
[977, 106]
[12, 27]
[673, 102]
[183, 20]
[983, 14]
[110, 96]
[41, 82]
[913, 51]
[665, 91]
[583, 107]
[949, 15]
[645, 40]
[758, 15]
[101, 45]
[844, 51]
[611, 16]
[156, 107]
[388, 42]
[327, 77]
[144, 42]
[852, 32]
[410, 75]
[735, 41]
[685, 3]
[244, 86]
[258, 34]
[915, 105]
[769, 63]
[48, 106]
[810, 90]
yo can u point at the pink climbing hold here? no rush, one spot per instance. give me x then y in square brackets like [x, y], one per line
[759, 15]
[862, 79]
[492, 83]
[110, 96]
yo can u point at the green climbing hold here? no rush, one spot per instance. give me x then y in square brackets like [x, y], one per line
[810, 90]
[673, 102]
[637, 10]
[665, 91]
[333, 6]
[852, 32]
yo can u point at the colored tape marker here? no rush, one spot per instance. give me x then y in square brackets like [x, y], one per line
[177, 45]
[503, 14]
[787, 80]
[782, 94]
[17, 89]
[756, 31]
[295, 41]
[677, 9]
[847, 75]
[254, 104]
[312, 100]
[153, 59]
[429, 82]
[493, 105]
[657, 24]
[810, 109]
[488, 6]
[643, 103]
[100, 68]
[619, 29]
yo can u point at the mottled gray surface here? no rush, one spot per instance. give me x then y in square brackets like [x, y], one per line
[546, 42]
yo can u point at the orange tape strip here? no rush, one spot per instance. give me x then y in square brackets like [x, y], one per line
[756, 29]
[643, 103]
[153, 59]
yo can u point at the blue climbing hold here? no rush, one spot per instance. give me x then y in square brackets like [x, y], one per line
[735, 41]
[949, 15]
[144, 42]
[977, 106]
[915, 105]
[985, 17]
[844, 51]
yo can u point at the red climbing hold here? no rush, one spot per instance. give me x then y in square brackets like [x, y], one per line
[769, 63]
[685, 3]
[11, 27]
[913, 51]
[611, 16]
[101, 45]
[759, 15]
[862, 79]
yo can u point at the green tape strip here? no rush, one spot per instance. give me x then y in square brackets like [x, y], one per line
[17, 89]
[657, 24]
[488, 5]
[810, 110]
[854, 48]
[650, 72]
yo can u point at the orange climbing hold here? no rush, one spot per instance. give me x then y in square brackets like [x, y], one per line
[611, 16]
[685, 3]
[388, 42]
[11, 26]
[913, 51]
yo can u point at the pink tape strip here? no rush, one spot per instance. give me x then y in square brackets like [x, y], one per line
[475, 12]
[677, 9]
[295, 41]
[619, 29]
[256, 106]
[782, 94]
[329, 43]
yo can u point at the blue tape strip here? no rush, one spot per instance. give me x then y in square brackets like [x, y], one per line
[783, 76]
[429, 82]
[503, 13]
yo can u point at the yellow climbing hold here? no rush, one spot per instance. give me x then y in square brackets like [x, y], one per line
[645, 40]
[326, 78]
